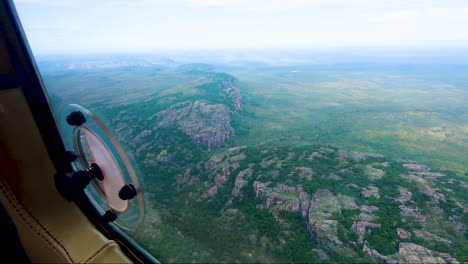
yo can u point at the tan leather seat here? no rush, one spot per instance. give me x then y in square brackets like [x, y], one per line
[51, 229]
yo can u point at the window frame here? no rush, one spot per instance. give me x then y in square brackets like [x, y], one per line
[29, 79]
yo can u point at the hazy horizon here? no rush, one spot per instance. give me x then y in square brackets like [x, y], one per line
[106, 27]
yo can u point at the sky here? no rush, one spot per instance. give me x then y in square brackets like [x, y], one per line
[105, 26]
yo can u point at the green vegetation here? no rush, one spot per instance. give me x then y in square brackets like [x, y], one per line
[253, 168]
[400, 114]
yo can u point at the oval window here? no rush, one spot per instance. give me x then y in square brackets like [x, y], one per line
[117, 188]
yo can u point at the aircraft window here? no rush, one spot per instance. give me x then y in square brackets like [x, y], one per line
[114, 183]
[266, 131]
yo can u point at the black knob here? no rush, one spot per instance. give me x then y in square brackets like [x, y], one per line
[71, 185]
[109, 216]
[127, 192]
[76, 118]
[95, 172]
[82, 178]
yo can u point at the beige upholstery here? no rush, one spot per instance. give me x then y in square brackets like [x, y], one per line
[51, 229]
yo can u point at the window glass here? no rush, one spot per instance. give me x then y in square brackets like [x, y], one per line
[272, 131]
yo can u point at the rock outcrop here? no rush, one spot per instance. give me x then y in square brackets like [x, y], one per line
[403, 234]
[280, 198]
[221, 167]
[230, 89]
[355, 156]
[412, 213]
[241, 180]
[413, 253]
[347, 202]
[405, 195]
[374, 173]
[431, 237]
[363, 222]
[324, 206]
[372, 191]
[305, 173]
[320, 210]
[208, 124]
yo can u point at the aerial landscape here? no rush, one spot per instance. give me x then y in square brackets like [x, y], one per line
[272, 131]
[286, 157]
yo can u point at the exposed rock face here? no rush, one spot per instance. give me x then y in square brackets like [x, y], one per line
[280, 198]
[412, 212]
[241, 180]
[355, 156]
[366, 217]
[323, 206]
[425, 185]
[403, 234]
[360, 227]
[208, 124]
[374, 173]
[224, 162]
[221, 166]
[315, 155]
[305, 204]
[364, 222]
[319, 210]
[230, 88]
[236, 149]
[405, 195]
[413, 253]
[416, 167]
[324, 150]
[207, 119]
[371, 191]
[213, 190]
[374, 253]
[260, 189]
[305, 173]
[448, 258]
[430, 237]
[266, 162]
[369, 209]
[219, 180]
[347, 202]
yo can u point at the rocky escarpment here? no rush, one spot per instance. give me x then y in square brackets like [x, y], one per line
[318, 209]
[221, 167]
[201, 106]
[207, 120]
[208, 124]
[349, 202]
[412, 253]
[230, 88]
